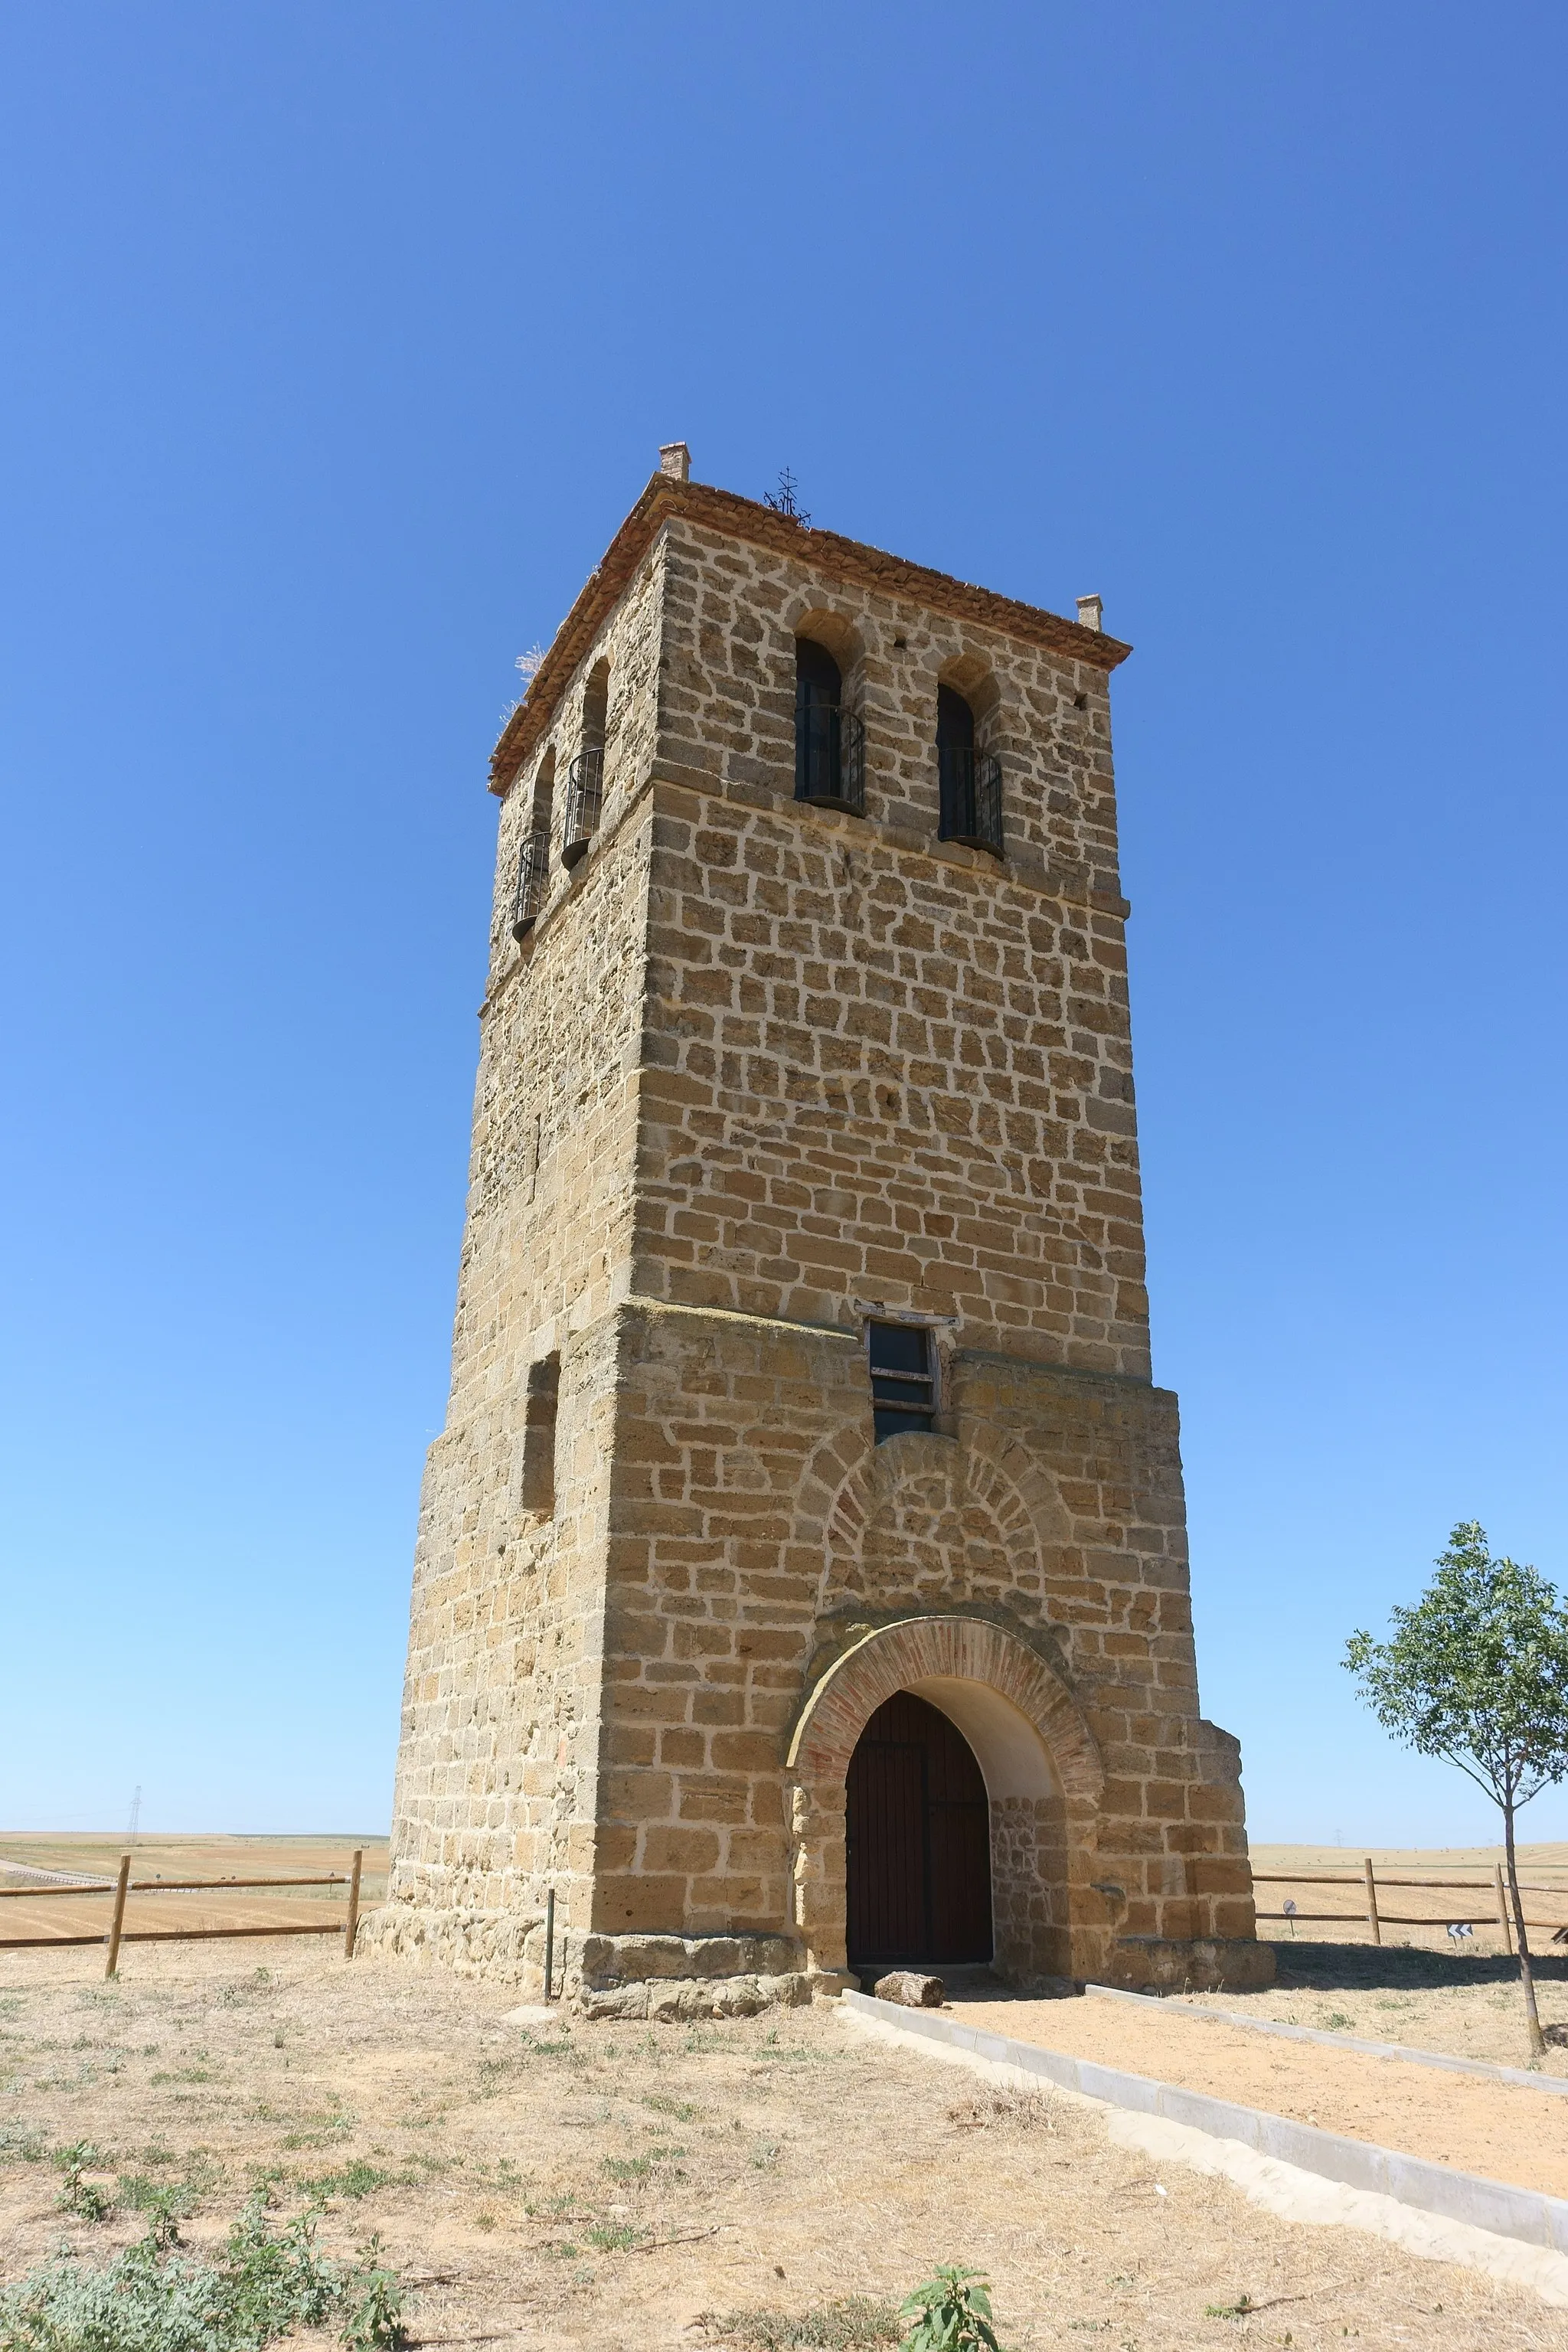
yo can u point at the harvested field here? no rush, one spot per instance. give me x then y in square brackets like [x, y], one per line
[60, 1916]
[609, 2186]
[1542, 1870]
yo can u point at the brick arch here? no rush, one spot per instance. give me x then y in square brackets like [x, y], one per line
[847, 1486]
[962, 1649]
[1044, 1826]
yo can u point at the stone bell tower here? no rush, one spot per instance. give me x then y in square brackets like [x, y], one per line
[801, 1575]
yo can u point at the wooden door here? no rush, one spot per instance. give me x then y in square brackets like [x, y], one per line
[919, 1841]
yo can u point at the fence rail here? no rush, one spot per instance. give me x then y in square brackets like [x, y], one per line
[1496, 1914]
[122, 1888]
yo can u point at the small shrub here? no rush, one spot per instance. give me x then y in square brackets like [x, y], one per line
[1337, 2022]
[83, 2198]
[371, 2301]
[612, 2237]
[951, 2313]
[150, 2299]
[19, 2144]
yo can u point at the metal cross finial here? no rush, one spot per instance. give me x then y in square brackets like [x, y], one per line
[782, 502]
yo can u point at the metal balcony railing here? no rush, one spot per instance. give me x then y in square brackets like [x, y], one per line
[532, 880]
[971, 797]
[830, 758]
[584, 804]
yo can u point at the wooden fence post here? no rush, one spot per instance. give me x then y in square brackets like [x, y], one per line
[351, 1928]
[1503, 1918]
[118, 1922]
[1372, 1921]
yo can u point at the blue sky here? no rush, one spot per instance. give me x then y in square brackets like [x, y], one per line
[338, 341]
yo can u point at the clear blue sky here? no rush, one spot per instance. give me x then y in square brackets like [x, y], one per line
[337, 341]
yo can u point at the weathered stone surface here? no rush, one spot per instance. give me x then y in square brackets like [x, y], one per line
[669, 2000]
[758, 1069]
[910, 1989]
[1200, 1964]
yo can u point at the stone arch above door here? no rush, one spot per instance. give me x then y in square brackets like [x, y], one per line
[921, 1518]
[1028, 1732]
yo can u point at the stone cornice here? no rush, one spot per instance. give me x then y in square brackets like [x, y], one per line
[845, 559]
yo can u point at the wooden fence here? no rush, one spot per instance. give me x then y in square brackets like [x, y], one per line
[124, 1886]
[1495, 1914]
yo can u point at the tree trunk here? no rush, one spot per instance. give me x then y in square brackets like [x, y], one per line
[1527, 1981]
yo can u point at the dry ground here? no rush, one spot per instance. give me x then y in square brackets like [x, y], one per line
[1466, 2004]
[604, 2186]
[1505, 2131]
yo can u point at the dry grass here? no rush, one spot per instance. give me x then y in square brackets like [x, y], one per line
[618, 2187]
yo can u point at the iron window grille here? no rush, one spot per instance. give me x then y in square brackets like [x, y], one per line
[584, 804]
[532, 878]
[830, 757]
[971, 797]
[903, 1378]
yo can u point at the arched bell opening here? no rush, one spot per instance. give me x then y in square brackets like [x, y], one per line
[917, 1827]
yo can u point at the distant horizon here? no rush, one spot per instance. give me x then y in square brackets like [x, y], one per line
[1255, 1845]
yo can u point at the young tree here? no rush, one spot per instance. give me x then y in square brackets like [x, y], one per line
[1478, 1673]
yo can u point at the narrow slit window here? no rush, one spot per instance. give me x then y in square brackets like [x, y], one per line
[539, 1437]
[903, 1378]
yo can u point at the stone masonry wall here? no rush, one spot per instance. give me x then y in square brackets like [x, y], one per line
[885, 1068]
[758, 1069]
[498, 1756]
[749, 1502]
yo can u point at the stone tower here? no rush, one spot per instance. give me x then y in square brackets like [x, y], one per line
[803, 1460]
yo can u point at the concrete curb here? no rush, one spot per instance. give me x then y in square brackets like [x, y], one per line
[1508, 2212]
[1557, 2083]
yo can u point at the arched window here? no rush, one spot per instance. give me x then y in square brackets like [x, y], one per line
[829, 741]
[971, 781]
[533, 857]
[585, 777]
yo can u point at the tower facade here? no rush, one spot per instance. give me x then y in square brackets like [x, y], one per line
[801, 1575]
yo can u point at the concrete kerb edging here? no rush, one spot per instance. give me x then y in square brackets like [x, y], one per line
[1440, 2058]
[1465, 2196]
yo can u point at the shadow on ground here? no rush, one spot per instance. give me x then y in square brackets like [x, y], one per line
[1373, 1967]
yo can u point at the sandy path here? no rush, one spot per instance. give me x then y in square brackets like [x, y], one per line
[1504, 2131]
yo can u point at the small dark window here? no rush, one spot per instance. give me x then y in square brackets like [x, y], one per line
[539, 1437]
[829, 744]
[585, 776]
[903, 1378]
[971, 781]
[534, 856]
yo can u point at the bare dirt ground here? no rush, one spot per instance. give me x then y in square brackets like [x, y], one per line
[608, 2186]
[1466, 2004]
[1505, 2131]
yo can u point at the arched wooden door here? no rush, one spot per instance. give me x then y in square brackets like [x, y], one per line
[919, 1840]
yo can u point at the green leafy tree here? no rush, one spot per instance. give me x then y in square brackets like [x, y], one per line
[951, 2313]
[1478, 1673]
